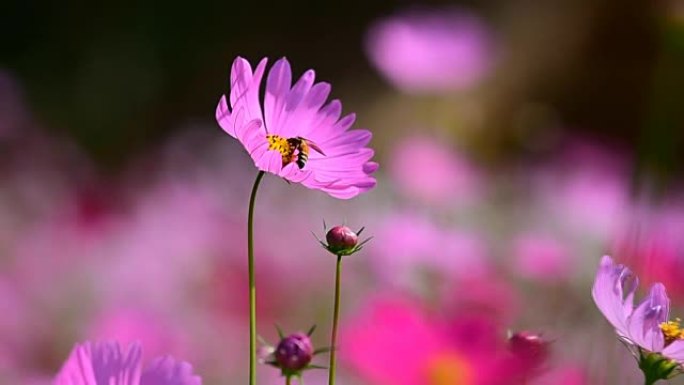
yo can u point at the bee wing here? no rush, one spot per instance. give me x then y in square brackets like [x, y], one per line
[315, 147]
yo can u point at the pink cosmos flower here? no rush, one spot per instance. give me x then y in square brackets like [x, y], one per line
[108, 364]
[396, 341]
[431, 50]
[542, 258]
[296, 136]
[428, 169]
[645, 328]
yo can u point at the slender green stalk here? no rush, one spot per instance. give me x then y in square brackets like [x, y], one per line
[252, 283]
[288, 380]
[336, 316]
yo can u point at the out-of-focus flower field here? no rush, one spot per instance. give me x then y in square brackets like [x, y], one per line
[518, 144]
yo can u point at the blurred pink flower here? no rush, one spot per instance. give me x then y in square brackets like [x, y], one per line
[129, 325]
[107, 363]
[484, 296]
[652, 244]
[586, 189]
[406, 245]
[297, 137]
[429, 170]
[431, 50]
[396, 342]
[165, 244]
[542, 258]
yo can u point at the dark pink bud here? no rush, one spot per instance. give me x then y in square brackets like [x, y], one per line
[294, 352]
[530, 348]
[341, 238]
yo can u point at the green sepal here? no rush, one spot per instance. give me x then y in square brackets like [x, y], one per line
[657, 367]
[321, 350]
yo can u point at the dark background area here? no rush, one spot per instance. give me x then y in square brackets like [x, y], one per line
[117, 77]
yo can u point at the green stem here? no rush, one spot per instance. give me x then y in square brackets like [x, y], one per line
[336, 316]
[252, 283]
[288, 380]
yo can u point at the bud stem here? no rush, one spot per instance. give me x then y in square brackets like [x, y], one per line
[336, 314]
[252, 283]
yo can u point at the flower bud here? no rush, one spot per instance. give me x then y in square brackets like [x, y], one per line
[530, 348]
[294, 352]
[341, 238]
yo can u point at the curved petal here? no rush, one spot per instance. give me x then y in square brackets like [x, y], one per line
[224, 117]
[644, 322]
[270, 161]
[613, 293]
[675, 351]
[244, 87]
[167, 371]
[370, 167]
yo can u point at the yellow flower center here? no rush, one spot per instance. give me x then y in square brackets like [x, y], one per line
[448, 369]
[672, 330]
[283, 146]
[292, 149]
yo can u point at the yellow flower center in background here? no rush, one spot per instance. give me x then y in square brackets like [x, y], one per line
[448, 369]
[672, 330]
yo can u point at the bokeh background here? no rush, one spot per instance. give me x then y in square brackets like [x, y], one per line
[519, 141]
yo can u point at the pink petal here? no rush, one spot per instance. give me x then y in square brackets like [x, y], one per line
[223, 116]
[644, 322]
[326, 116]
[103, 363]
[244, 91]
[277, 88]
[675, 351]
[270, 161]
[296, 113]
[613, 293]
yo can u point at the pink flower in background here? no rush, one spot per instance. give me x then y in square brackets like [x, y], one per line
[542, 258]
[586, 189]
[431, 50]
[392, 342]
[296, 136]
[406, 245]
[396, 342]
[108, 364]
[428, 169]
[653, 246]
[129, 325]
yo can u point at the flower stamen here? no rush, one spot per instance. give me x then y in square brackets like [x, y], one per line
[672, 330]
[283, 146]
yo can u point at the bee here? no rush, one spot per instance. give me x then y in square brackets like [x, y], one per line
[302, 146]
